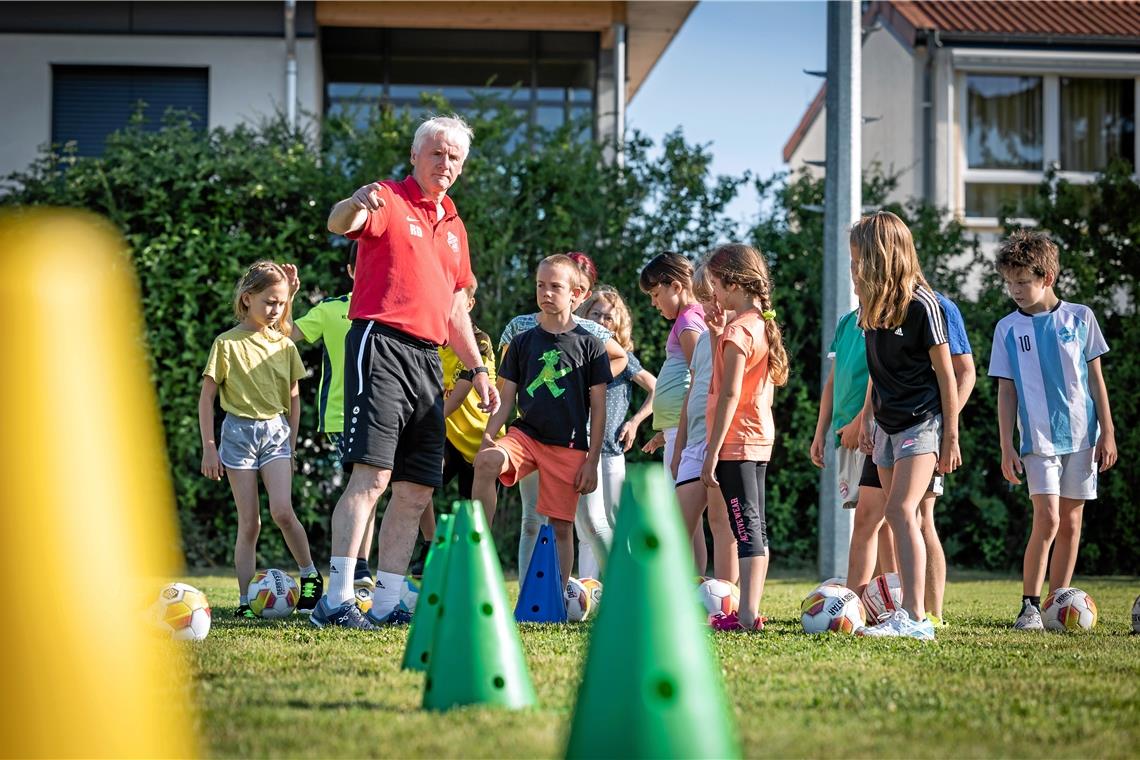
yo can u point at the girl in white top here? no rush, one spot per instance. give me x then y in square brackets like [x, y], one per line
[668, 280]
[607, 308]
[695, 497]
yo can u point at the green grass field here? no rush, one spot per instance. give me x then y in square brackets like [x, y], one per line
[981, 690]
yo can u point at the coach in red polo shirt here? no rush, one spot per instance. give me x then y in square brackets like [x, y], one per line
[412, 264]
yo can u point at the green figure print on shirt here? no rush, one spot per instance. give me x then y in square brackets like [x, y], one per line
[549, 374]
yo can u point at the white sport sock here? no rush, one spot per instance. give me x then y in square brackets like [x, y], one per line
[340, 581]
[307, 570]
[387, 593]
[243, 599]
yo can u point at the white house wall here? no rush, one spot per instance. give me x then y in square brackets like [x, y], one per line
[892, 89]
[812, 147]
[246, 79]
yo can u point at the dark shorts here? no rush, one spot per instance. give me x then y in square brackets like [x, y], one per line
[393, 403]
[870, 479]
[742, 484]
[455, 466]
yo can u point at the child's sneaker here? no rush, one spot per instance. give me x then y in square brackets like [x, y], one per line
[1029, 619]
[398, 616]
[344, 616]
[731, 622]
[244, 612]
[312, 589]
[899, 624]
[936, 621]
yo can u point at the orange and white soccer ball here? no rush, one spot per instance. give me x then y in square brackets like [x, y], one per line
[273, 594]
[594, 586]
[831, 608]
[579, 601]
[883, 596]
[1069, 609]
[718, 596]
[182, 611]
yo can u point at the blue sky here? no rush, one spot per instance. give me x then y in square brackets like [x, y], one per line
[733, 77]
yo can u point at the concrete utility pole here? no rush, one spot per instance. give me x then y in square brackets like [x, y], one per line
[291, 63]
[843, 201]
[619, 92]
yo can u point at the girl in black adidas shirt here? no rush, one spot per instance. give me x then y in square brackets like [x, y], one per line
[912, 394]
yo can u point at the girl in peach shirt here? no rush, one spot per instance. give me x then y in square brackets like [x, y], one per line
[748, 361]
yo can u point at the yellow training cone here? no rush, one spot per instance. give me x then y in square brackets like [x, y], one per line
[87, 519]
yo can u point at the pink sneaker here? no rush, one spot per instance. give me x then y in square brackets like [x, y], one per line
[731, 622]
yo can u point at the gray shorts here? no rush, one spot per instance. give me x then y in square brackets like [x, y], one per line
[923, 438]
[251, 444]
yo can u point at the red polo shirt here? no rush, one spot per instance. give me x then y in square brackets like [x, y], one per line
[408, 264]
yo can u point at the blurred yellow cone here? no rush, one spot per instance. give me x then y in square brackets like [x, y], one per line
[87, 523]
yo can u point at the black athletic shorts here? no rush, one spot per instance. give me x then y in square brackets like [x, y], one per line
[393, 403]
[455, 466]
[869, 478]
[742, 484]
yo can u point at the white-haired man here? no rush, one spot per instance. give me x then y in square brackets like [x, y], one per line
[412, 265]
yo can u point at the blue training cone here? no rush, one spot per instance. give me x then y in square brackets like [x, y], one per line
[542, 599]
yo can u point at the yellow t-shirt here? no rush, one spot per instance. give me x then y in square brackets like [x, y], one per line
[466, 425]
[255, 372]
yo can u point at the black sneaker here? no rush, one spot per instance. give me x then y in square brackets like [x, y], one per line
[244, 612]
[345, 616]
[312, 588]
[398, 616]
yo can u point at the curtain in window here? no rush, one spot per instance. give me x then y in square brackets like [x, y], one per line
[1004, 127]
[1098, 122]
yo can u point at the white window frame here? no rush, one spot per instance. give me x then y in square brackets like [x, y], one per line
[1051, 67]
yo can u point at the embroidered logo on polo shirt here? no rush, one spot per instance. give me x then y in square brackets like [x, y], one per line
[415, 230]
[1066, 335]
[453, 241]
[898, 331]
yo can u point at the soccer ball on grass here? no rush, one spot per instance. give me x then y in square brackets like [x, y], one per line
[1068, 609]
[883, 596]
[182, 611]
[832, 609]
[718, 597]
[579, 601]
[273, 594]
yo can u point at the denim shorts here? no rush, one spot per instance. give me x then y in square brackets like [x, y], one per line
[251, 444]
[923, 438]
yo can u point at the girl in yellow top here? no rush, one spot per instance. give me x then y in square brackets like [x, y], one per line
[255, 368]
[464, 419]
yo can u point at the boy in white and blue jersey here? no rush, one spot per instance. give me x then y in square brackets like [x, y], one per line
[1046, 356]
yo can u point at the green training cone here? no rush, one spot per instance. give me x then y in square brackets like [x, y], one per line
[476, 655]
[418, 650]
[652, 686]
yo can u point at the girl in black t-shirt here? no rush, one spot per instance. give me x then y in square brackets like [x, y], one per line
[912, 394]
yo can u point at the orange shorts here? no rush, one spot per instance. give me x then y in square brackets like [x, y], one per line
[557, 467]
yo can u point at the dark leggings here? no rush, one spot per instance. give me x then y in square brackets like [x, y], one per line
[742, 484]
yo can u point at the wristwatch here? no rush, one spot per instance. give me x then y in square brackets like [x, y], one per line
[482, 369]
